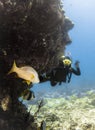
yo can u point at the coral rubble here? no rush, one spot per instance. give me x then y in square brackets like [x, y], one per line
[62, 114]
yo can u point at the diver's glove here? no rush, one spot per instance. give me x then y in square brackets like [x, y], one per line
[77, 64]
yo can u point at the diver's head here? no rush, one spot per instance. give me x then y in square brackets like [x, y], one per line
[66, 60]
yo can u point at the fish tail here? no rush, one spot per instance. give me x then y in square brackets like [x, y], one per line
[13, 69]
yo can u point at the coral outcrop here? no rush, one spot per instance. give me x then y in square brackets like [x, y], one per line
[32, 32]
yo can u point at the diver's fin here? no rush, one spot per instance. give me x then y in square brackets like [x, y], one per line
[13, 68]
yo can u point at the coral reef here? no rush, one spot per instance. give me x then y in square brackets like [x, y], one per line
[62, 114]
[32, 32]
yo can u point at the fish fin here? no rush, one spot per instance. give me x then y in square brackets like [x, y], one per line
[32, 95]
[28, 82]
[13, 68]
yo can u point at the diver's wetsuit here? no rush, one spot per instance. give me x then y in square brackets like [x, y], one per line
[62, 74]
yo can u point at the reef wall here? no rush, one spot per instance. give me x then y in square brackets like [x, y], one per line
[32, 32]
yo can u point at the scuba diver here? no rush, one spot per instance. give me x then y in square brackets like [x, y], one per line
[63, 72]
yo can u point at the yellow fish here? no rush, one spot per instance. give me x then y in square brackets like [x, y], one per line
[27, 73]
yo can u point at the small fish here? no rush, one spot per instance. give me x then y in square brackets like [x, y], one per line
[26, 72]
[28, 95]
[43, 125]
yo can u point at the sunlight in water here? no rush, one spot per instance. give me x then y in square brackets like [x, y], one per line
[84, 7]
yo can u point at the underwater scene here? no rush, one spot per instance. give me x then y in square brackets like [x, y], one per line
[47, 75]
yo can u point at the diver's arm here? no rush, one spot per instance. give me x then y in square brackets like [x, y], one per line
[77, 71]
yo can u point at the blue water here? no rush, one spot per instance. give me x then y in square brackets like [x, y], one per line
[83, 37]
[82, 49]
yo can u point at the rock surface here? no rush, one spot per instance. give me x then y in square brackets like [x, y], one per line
[32, 32]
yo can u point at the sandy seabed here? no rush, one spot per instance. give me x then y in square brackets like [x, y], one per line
[73, 113]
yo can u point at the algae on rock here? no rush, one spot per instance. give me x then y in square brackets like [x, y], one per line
[34, 33]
